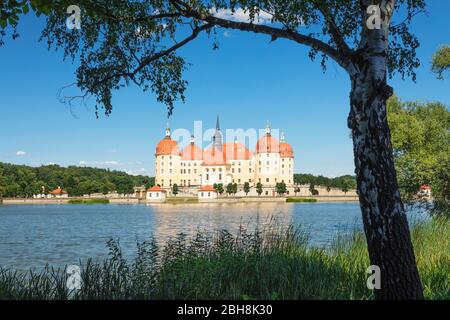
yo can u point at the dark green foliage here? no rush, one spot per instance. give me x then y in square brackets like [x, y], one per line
[280, 187]
[342, 182]
[136, 42]
[421, 142]
[259, 188]
[24, 181]
[274, 263]
[246, 188]
[175, 189]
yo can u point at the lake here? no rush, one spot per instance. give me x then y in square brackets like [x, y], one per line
[33, 235]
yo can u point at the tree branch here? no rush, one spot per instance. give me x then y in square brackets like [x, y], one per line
[338, 55]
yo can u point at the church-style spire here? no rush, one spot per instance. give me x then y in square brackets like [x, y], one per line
[217, 138]
[217, 124]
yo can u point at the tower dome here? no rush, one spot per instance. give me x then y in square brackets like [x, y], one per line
[167, 146]
[267, 143]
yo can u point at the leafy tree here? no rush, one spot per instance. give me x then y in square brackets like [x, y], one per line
[296, 190]
[259, 188]
[123, 42]
[441, 61]
[235, 188]
[280, 187]
[229, 188]
[246, 188]
[219, 188]
[175, 189]
[421, 142]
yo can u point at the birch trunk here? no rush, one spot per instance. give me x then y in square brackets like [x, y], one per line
[385, 223]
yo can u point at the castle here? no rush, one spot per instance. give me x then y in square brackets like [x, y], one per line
[272, 162]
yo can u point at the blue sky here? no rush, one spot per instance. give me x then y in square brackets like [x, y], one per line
[247, 81]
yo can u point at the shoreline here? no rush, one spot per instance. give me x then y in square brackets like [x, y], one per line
[172, 201]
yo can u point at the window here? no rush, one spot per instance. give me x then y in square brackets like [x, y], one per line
[207, 176]
[189, 171]
[170, 171]
[189, 183]
[232, 170]
[195, 170]
[239, 180]
[162, 171]
[267, 193]
[250, 170]
[203, 194]
[157, 194]
[267, 179]
[239, 170]
[150, 194]
[209, 194]
[220, 176]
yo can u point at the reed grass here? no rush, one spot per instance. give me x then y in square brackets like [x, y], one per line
[274, 263]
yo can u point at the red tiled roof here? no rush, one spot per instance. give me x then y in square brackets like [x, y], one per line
[286, 150]
[267, 144]
[213, 156]
[58, 191]
[236, 151]
[207, 189]
[156, 189]
[192, 152]
[167, 146]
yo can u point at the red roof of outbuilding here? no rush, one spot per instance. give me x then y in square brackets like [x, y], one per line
[156, 189]
[207, 189]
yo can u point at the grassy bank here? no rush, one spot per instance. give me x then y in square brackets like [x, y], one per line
[181, 200]
[275, 263]
[291, 199]
[88, 201]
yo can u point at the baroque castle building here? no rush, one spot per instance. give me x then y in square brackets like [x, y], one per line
[224, 162]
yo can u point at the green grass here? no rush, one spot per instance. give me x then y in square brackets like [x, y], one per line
[274, 263]
[292, 199]
[181, 200]
[88, 201]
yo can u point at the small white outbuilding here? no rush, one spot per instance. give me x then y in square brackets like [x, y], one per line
[156, 194]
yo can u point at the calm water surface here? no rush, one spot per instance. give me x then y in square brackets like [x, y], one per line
[33, 235]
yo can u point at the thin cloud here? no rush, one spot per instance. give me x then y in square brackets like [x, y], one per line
[21, 153]
[241, 15]
[108, 163]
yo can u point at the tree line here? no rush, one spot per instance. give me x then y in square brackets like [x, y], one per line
[25, 181]
[344, 183]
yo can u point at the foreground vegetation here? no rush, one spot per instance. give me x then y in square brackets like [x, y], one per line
[274, 263]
